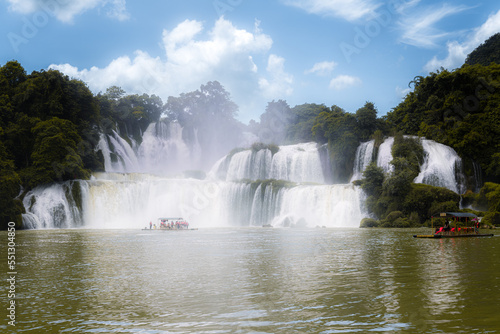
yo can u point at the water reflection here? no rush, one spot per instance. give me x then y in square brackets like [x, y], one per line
[255, 280]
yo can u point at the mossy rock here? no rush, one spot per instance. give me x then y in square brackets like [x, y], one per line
[261, 146]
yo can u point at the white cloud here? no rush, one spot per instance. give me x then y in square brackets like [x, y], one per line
[118, 10]
[344, 81]
[323, 68]
[349, 10]
[224, 53]
[402, 92]
[419, 27]
[457, 52]
[66, 10]
[280, 82]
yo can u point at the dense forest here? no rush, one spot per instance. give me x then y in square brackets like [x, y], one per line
[50, 126]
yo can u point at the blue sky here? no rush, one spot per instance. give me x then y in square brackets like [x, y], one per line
[341, 52]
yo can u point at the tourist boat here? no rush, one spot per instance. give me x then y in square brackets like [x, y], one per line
[169, 224]
[451, 228]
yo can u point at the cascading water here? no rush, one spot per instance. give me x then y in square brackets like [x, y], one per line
[442, 167]
[384, 157]
[295, 163]
[239, 190]
[364, 156]
[132, 200]
[55, 206]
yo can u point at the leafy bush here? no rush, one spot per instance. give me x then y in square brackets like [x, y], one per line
[368, 222]
[491, 218]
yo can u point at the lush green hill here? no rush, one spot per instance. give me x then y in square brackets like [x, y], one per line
[486, 53]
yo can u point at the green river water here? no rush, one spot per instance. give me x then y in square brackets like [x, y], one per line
[251, 280]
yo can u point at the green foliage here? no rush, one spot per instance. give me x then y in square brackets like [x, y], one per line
[10, 207]
[488, 197]
[491, 218]
[340, 130]
[209, 112]
[373, 179]
[456, 108]
[55, 156]
[366, 118]
[368, 222]
[131, 114]
[302, 121]
[486, 53]
[426, 200]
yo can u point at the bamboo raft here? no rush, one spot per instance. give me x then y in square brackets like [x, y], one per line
[456, 232]
[439, 236]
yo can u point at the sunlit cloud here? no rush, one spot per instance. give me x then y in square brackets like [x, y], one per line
[279, 83]
[349, 10]
[194, 56]
[418, 26]
[323, 68]
[344, 81]
[65, 10]
[457, 52]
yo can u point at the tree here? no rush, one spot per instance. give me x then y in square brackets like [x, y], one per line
[274, 122]
[373, 179]
[55, 156]
[302, 121]
[11, 208]
[207, 117]
[366, 118]
[486, 53]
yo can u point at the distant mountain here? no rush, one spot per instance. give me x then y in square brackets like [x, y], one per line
[486, 53]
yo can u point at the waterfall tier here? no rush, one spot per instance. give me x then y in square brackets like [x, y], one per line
[296, 163]
[133, 200]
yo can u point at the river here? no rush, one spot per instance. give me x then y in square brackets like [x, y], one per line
[253, 280]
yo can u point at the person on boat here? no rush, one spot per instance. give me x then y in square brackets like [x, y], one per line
[150, 225]
[447, 227]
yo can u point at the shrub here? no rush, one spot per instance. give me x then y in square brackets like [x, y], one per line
[368, 222]
[491, 218]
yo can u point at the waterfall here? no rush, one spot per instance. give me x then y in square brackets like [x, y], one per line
[384, 157]
[54, 206]
[364, 156]
[442, 167]
[119, 156]
[112, 200]
[284, 187]
[163, 151]
[296, 163]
